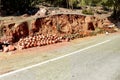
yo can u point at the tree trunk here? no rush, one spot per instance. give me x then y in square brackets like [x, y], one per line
[67, 2]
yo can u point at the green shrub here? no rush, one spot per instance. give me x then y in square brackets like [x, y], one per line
[93, 33]
[99, 30]
[58, 26]
[88, 12]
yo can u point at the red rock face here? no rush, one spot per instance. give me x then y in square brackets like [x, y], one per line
[21, 30]
[13, 33]
[35, 26]
[88, 19]
[61, 24]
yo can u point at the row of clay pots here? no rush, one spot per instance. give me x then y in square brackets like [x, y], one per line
[39, 40]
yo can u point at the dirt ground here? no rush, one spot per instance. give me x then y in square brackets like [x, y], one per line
[44, 52]
[20, 58]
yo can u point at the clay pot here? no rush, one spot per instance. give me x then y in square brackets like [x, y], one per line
[21, 40]
[42, 43]
[67, 39]
[47, 42]
[31, 44]
[22, 44]
[30, 38]
[40, 36]
[35, 44]
[21, 47]
[27, 46]
[43, 36]
[30, 41]
[33, 38]
[56, 40]
[25, 42]
[47, 35]
[53, 41]
[38, 43]
[37, 39]
[24, 39]
[19, 43]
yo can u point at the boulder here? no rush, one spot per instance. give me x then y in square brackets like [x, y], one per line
[41, 12]
[5, 49]
[19, 47]
[11, 48]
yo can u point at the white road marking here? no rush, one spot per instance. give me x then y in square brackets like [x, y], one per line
[54, 59]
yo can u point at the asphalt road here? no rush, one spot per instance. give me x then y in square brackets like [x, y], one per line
[95, 59]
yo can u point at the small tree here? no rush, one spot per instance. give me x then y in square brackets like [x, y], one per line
[115, 4]
[92, 2]
[11, 6]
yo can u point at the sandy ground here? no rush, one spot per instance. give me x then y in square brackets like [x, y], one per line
[20, 58]
[43, 49]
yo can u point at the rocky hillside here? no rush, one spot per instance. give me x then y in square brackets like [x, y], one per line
[60, 24]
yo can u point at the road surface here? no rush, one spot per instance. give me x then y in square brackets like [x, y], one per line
[94, 59]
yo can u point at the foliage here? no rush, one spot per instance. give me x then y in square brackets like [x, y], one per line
[92, 2]
[11, 6]
[99, 30]
[58, 26]
[87, 11]
[115, 4]
[18, 4]
[22, 5]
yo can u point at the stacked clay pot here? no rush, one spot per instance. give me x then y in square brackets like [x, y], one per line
[39, 40]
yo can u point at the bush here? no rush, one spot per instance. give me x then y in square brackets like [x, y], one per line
[101, 12]
[88, 12]
[99, 30]
[93, 33]
[16, 6]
